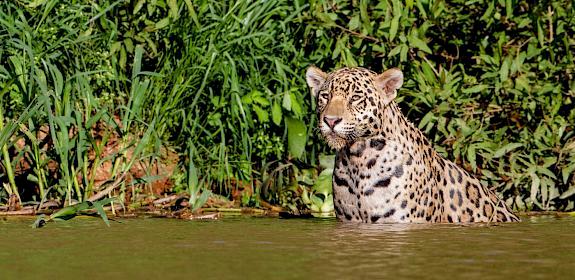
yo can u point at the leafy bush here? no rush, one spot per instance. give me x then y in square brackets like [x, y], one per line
[490, 82]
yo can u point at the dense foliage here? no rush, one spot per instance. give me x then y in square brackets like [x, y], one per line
[221, 83]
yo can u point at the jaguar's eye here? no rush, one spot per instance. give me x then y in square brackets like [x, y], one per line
[355, 98]
[324, 95]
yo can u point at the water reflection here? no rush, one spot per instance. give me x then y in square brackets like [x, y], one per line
[249, 248]
[436, 251]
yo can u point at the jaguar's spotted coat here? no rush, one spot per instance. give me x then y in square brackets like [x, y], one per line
[386, 170]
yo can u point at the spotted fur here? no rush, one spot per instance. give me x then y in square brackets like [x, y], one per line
[386, 171]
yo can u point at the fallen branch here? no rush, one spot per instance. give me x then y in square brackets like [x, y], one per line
[271, 207]
[109, 189]
[23, 211]
[166, 199]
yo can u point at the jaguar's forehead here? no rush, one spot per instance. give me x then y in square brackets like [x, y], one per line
[346, 80]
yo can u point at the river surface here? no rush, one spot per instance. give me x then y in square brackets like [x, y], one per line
[541, 247]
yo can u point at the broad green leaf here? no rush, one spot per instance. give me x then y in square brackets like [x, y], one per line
[36, 3]
[162, 23]
[201, 200]
[32, 178]
[69, 212]
[509, 8]
[403, 52]
[426, 119]
[504, 71]
[546, 172]
[276, 113]
[327, 204]
[315, 207]
[522, 83]
[193, 181]
[138, 6]
[544, 190]
[297, 134]
[409, 4]
[354, 23]
[540, 36]
[567, 171]
[247, 99]
[393, 28]
[317, 202]
[327, 161]
[100, 209]
[535, 183]
[475, 89]
[418, 43]
[173, 11]
[327, 18]
[548, 161]
[286, 102]
[471, 157]
[296, 107]
[568, 193]
[323, 183]
[394, 51]
[261, 113]
[258, 98]
[506, 149]
[305, 195]
[488, 12]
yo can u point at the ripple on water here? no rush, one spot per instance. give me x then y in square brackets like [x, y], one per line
[268, 248]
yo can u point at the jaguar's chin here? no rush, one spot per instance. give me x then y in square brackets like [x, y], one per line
[334, 141]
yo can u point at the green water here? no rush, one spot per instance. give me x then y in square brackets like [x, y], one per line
[270, 248]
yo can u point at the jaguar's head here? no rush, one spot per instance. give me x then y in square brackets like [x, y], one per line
[351, 101]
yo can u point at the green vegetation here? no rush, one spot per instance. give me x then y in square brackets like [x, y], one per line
[207, 98]
[69, 212]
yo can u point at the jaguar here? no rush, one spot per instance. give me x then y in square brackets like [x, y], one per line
[386, 170]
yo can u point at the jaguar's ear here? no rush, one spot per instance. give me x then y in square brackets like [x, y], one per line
[315, 78]
[388, 83]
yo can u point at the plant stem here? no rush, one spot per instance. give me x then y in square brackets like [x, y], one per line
[7, 162]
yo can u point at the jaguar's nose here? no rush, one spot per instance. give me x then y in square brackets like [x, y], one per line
[331, 121]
